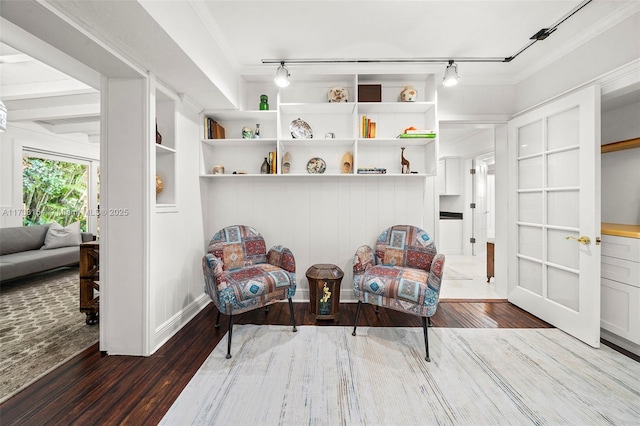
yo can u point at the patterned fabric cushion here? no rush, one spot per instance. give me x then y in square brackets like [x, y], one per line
[405, 245]
[406, 274]
[238, 246]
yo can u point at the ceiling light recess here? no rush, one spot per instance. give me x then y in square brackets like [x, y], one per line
[282, 75]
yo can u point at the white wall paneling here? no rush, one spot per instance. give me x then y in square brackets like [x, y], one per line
[322, 219]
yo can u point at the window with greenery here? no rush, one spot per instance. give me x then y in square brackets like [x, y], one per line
[54, 191]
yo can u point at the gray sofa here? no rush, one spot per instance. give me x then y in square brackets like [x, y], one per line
[21, 254]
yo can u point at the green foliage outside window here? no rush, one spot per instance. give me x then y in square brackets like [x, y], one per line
[54, 191]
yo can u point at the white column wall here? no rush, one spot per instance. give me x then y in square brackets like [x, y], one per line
[178, 241]
[125, 200]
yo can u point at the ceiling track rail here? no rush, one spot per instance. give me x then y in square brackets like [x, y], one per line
[542, 34]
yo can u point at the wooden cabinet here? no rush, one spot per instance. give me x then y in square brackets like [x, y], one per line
[336, 128]
[90, 281]
[620, 286]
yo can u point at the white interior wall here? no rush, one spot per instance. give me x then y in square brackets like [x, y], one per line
[621, 169]
[177, 240]
[608, 51]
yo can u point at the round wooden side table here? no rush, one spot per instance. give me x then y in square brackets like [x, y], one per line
[324, 290]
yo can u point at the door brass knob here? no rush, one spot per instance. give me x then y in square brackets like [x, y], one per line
[582, 240]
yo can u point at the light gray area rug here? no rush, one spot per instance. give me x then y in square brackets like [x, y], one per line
[41, 326]
[326, 376]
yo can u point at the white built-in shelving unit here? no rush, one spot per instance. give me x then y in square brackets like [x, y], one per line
[165, 153]
[306, 99]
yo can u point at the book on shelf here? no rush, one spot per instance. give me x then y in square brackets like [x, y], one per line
[416, 135]
[419, 132]
[368, 128]
[213, 130]
[371, 171]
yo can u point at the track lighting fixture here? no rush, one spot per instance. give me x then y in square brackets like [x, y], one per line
[451, 76]
[282, 75]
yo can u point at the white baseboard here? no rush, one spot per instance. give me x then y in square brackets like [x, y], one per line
[167, 330]
[346, 294]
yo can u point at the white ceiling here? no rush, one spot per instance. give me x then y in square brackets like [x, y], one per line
[254, 30]
[248, 32]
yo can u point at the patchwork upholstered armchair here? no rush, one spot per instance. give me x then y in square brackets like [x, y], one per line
[403, 273]
[240, 275]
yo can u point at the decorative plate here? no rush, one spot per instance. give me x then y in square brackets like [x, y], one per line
[338, 94]
[316, 166]
[300, 129]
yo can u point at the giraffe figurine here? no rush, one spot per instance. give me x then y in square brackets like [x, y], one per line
[405, 163]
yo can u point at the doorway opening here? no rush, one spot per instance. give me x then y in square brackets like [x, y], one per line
[466, 187]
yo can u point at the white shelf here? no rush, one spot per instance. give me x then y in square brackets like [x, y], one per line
[161, 149]
[318, 108]
[314, 175]
[235, 115]
[254, 142]
[395, 107]
[395, 141]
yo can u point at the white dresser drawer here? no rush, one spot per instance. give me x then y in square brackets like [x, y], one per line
[620, 309]
[620, 270]
[621, 247]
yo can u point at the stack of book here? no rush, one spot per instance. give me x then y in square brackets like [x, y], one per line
[371, 171]
[368, 128]
[212, 130]
[417, 133]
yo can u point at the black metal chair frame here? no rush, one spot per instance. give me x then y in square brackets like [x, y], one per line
[426, 323]
[217, 326]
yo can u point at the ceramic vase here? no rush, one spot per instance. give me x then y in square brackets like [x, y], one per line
[408, 94]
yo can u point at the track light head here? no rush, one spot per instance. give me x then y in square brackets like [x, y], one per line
[451, 76]
[282, 75]
[3, 117]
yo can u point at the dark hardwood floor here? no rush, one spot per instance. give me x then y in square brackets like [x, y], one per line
[94, 388]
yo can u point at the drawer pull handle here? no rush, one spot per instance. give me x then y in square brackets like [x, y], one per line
[582, 240]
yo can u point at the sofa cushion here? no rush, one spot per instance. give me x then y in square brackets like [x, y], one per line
[22, 238]
[58, 236]
[28, 262]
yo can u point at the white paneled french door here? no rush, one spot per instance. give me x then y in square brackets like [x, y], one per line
[554, 211]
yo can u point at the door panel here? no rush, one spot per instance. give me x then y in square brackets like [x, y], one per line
[554, 158]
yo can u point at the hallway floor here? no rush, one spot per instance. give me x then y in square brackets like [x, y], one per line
[475, 288]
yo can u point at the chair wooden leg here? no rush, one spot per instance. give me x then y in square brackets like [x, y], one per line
[426, 338]
[217, 320]
[355, 322]
[229, 336]
[293, 317]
